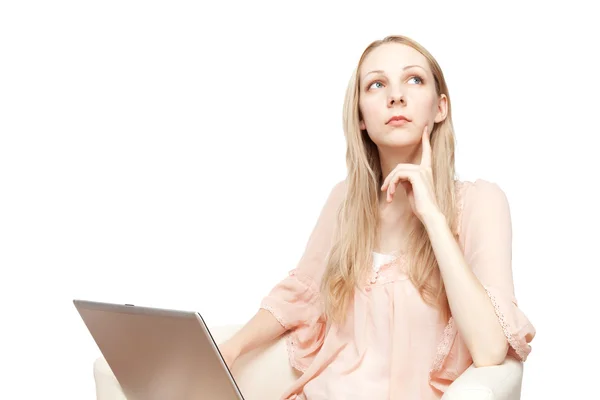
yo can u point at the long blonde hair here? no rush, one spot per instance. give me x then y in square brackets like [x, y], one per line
[356, 232]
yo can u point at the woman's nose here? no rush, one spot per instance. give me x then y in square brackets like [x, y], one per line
[395, 99]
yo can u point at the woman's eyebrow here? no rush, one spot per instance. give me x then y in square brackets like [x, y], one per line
[378, 71]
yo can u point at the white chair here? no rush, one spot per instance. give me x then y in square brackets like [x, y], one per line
[265, 373]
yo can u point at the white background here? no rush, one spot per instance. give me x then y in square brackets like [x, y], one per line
[176, 155]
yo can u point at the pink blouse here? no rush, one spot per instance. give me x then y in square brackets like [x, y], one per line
[392, 345]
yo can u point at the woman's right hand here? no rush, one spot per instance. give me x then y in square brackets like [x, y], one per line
[229, 353]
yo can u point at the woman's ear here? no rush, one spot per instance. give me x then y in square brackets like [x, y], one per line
[362, 125]
[442, 109]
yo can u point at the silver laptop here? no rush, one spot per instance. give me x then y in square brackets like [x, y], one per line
[159, 354]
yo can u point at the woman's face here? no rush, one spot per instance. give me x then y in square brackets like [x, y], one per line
[396, 82]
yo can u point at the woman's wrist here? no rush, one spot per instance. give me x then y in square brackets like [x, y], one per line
[234, 346]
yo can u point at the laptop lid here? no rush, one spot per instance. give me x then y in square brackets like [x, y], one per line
[159, 353]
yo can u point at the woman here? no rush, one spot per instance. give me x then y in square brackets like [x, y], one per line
[406, 279]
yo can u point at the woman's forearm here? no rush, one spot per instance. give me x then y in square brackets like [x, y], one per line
[262, 328]
[471, 307]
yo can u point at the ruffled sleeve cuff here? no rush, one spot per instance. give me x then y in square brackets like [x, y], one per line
[296, 303]
[517, 328]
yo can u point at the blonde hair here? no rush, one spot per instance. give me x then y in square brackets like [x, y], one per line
[356, 232]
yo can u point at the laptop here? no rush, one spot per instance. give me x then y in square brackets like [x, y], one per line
[159, 354]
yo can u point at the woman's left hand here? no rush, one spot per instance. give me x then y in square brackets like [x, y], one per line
[417, 180]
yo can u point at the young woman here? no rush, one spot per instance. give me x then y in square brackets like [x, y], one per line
[406, 279]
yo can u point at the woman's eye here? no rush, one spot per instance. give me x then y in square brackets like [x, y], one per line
[419, 80]
[375, 83]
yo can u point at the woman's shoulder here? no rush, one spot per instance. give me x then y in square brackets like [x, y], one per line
[479, 188]
[337, 192]
[480, 194]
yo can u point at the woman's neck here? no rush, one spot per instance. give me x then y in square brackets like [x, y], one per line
[389, 158]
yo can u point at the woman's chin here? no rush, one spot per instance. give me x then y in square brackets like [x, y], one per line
[399, 139]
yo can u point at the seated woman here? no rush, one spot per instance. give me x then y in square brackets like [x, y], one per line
[406, 279]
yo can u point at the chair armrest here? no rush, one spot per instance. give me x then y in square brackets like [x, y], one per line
[107, 386]
[501, 382]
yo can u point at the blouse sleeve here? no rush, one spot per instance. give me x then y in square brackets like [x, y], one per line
[485, 235]
[487, 240]
[295, 301]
